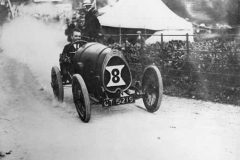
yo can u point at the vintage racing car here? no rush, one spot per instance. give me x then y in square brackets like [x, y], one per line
[101, 74]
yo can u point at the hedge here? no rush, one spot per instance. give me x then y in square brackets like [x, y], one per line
[207, 70]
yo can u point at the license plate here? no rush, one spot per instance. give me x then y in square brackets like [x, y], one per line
[118, 101]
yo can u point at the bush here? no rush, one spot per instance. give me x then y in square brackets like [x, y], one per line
[207, 70]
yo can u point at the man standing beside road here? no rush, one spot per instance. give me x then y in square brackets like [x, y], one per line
[92, 25]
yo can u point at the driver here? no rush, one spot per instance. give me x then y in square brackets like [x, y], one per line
[69, 51]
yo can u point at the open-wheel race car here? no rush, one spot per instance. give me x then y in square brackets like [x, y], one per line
[101, 74]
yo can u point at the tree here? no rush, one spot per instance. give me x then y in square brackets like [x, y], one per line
[207, 11]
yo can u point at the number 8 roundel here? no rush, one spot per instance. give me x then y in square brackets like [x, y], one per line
[115, 79]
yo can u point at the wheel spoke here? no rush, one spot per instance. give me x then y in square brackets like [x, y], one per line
[55, 84]
[79, 101]
[80, 108]
[151, 97]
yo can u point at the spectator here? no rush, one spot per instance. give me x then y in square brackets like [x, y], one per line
[3, 13]
[73, 25]
[127, 43]
[87, 5]
[140, 39]
[92, 25]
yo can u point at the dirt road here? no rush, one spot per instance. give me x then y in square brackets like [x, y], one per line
[33, 126]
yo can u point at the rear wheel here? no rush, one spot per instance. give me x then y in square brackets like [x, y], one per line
[152, 88]
[57, 85]
[81, 98]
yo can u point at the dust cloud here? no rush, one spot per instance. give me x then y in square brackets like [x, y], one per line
[34, 43]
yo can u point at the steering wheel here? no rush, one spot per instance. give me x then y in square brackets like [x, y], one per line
[86, 38]
[79, 42]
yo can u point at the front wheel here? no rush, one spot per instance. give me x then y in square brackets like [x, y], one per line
[152, 88]
[81, 98]
[56, 83]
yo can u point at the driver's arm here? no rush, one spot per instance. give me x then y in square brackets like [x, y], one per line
[64, 53]
[65, 50]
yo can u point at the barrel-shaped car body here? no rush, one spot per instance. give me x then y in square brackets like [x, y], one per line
[102, 68]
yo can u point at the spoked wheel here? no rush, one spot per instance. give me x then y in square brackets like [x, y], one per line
[81, 98]
[57, 85]
[152, 88]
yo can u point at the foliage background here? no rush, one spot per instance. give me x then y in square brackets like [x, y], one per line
[199, 11]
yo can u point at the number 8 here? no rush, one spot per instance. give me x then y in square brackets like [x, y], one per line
[115, 78]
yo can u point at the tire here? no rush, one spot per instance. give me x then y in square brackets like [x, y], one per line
[152, 88]
[81, 98]
[56, 83]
